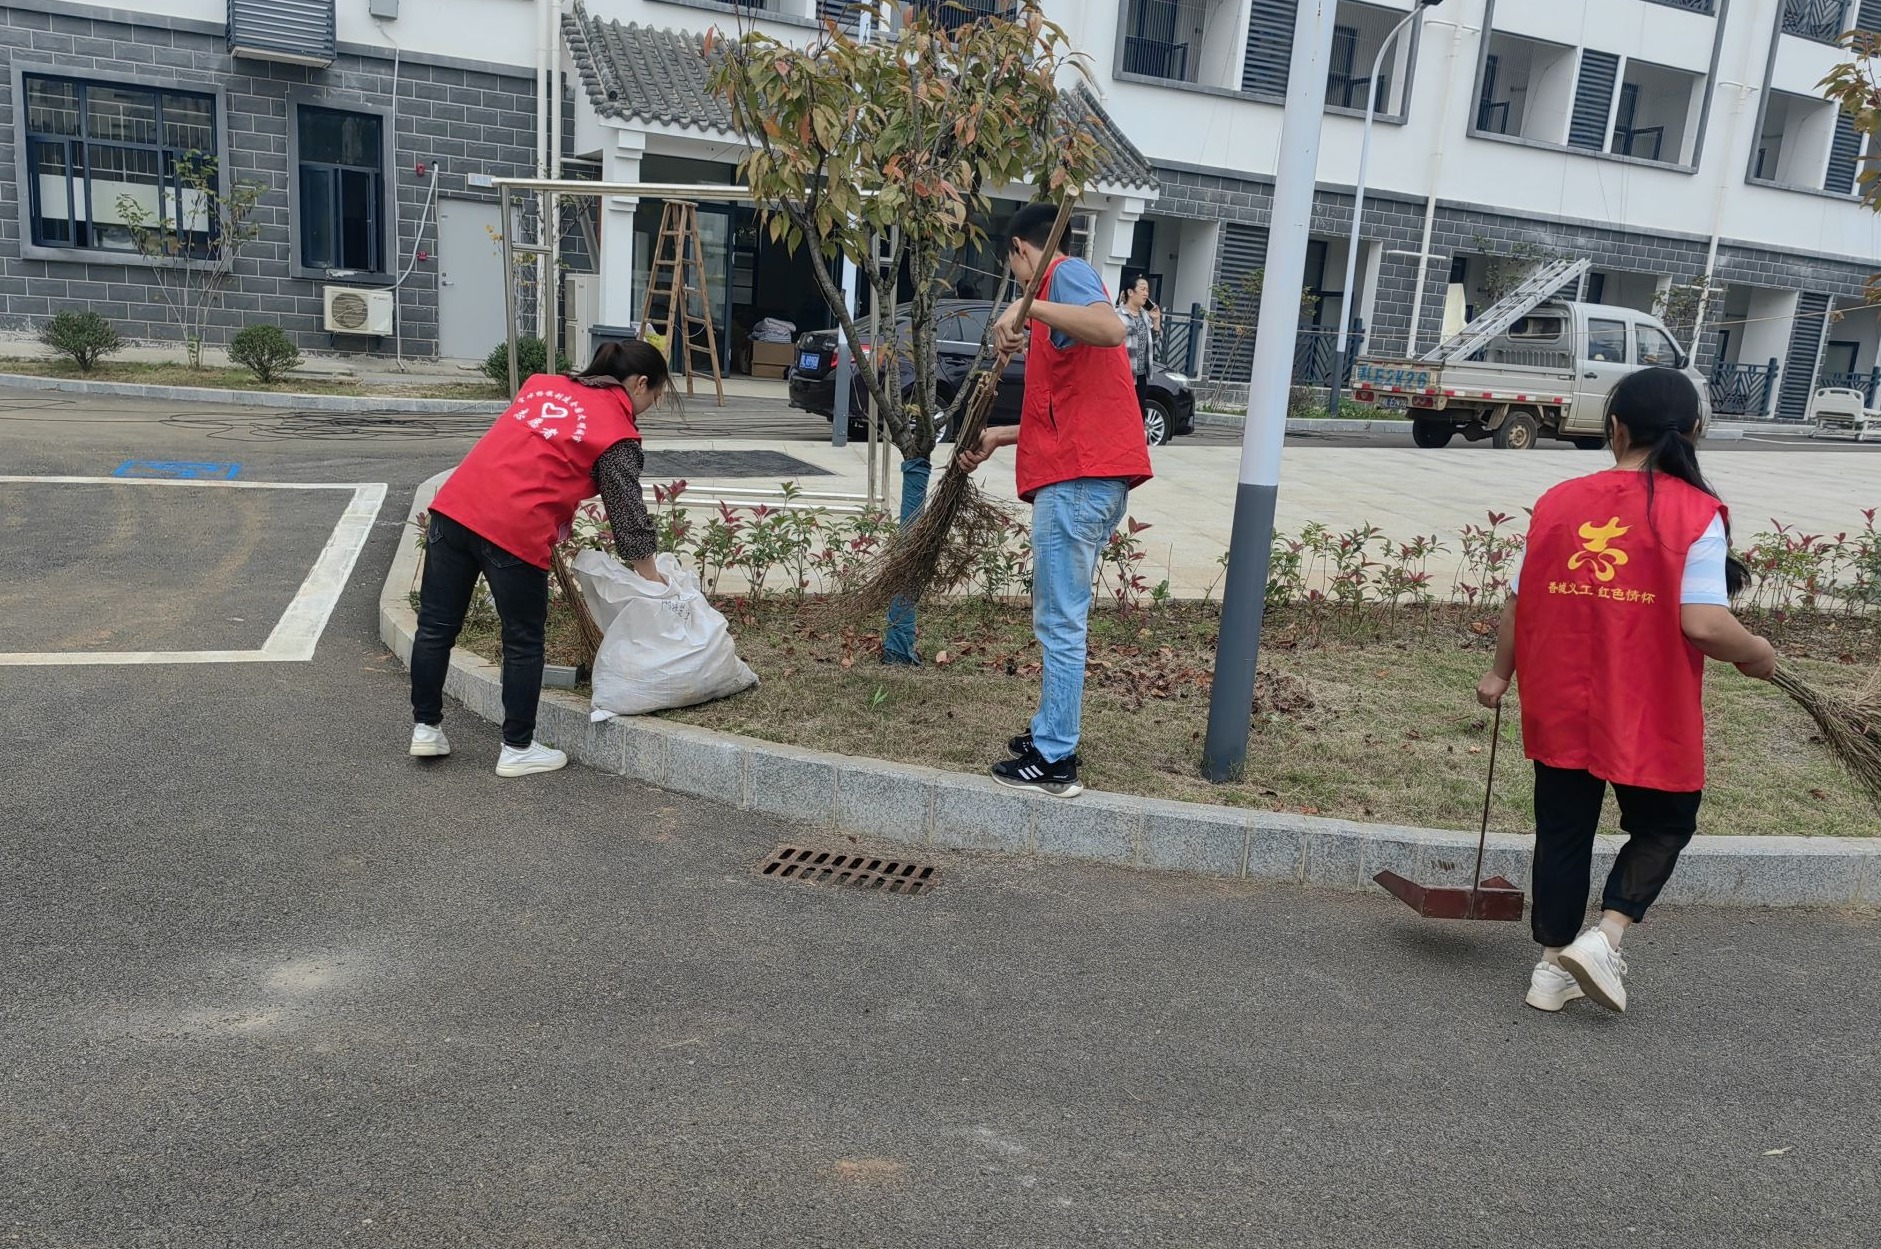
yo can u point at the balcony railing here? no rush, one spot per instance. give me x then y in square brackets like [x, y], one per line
[1154, 58]
[1820, 20]
[1690, 6]
[953, 14]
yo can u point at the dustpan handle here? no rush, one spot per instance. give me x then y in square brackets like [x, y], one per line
[1489, 793]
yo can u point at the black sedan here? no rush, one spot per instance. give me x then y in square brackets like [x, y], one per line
[1170, 410]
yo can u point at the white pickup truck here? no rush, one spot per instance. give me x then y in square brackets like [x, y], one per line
[1544, 372]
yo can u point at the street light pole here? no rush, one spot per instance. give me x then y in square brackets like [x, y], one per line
[1358, 202]
[1224, 754]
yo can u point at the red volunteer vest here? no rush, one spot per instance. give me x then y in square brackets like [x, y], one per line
[1081, 417]
[1609, 684]
[520, 485]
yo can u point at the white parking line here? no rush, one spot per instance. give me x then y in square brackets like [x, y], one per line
[298, 631]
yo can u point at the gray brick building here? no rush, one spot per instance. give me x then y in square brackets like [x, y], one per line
[105, 101]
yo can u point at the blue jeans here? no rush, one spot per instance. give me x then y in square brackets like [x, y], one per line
[1071, 522]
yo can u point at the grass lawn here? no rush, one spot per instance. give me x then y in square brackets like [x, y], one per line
[1375, 728]
[239, 379]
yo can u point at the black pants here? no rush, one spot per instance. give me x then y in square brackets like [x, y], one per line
[1567, 811]
[453, 558]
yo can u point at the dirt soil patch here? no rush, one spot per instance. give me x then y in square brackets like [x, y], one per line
[1375, 722]
[240, 379]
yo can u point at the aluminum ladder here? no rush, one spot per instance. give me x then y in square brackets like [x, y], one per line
[1506, 311]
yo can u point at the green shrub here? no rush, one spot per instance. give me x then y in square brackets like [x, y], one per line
[84, 338]
[264, 350]
[532, 355]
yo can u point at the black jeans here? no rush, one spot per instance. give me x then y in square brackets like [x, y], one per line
[453, 558]
[1567, 811]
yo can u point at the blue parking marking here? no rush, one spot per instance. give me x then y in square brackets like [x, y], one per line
[178, 470]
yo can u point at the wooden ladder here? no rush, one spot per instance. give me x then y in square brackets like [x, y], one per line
[676, 278]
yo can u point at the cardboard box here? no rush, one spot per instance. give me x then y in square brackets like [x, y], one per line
[776, 354]
[775, 372]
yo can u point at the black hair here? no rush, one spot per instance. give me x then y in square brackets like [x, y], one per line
[1033, 224]
[1659, 410]
[623, 360]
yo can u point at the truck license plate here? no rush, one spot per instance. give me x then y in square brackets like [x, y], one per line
[1393, 403]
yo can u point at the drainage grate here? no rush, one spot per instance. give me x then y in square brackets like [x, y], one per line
[857, 871]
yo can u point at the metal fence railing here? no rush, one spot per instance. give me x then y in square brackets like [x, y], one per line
[1743, 389]
[1179, 346]
[1867, 383]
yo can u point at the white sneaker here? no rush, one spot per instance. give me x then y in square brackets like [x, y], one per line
[530, 759]
[1550, 988]
[428, 742]
[1598, 967]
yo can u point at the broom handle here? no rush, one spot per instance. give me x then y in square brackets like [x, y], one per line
[983, 397]
[1489, 793]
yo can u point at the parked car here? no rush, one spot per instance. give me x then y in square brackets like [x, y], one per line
[961, 328]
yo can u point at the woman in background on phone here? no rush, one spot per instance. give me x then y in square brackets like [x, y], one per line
[1142, 321]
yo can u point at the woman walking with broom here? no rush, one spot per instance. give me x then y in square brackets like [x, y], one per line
[1624, 591]
[1081, 451]
[501, 514]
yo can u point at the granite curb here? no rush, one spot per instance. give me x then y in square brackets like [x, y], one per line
[926, 807]
[400, 404]
[1226, 420]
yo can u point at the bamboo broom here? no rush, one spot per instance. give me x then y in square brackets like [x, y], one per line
[571, 591]
[1851, 729]
[958, 522]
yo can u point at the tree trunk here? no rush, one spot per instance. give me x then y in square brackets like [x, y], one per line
[898, 642]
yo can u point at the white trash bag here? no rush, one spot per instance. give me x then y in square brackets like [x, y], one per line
[663, 646]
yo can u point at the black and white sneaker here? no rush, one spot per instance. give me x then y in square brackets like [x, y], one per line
[1020, 746]
[1031, 771]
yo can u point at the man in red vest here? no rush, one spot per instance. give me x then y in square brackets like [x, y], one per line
[1081, 450]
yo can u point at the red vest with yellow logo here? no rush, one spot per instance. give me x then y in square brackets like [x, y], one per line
[1608, 682]
[520, 485]
[1081, 416]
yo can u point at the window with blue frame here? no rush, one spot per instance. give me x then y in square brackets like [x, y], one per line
[94, 148]
[342, 189]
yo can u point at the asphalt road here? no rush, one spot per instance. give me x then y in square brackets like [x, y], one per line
[269, 982]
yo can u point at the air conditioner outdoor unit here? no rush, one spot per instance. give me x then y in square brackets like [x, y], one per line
[357, 310]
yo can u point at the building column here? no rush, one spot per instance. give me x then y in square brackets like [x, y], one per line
[1113, 238]
[617, 264]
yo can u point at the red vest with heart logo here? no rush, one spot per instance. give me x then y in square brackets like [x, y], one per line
[520, 485]
[1609, 683]
[1081, 416]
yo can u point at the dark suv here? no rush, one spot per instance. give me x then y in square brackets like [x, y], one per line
[962, 326]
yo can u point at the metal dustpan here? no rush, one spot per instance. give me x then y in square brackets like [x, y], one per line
[1494, 898]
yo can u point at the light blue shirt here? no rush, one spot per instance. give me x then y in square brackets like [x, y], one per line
[1074, 282]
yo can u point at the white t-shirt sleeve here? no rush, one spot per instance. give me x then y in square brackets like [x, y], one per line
[1704, 569]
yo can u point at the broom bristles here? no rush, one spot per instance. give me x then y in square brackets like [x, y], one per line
[584, 618]
[1851, 731]
[957, 523]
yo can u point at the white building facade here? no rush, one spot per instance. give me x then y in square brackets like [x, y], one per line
[1666, 140]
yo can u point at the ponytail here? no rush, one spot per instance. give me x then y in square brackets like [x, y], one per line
[621, 360]
[1659, 410]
